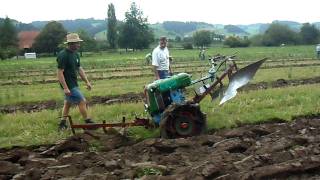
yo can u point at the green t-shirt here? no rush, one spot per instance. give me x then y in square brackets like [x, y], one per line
[70, 62]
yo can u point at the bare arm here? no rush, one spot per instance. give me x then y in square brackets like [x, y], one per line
[63, 82]
[156, 72]
[84, 78]
[170, 70]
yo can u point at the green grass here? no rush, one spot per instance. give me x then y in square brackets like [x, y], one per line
[248, 107]
[29, 129]
[251, 107]
[113, 59]
[34, 77]
[99, 64]
[14, 94]
[268, 75]
[261, 105]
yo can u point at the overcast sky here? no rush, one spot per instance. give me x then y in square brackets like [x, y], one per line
[210, 11]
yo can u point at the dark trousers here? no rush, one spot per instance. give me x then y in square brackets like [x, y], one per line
[163, 74]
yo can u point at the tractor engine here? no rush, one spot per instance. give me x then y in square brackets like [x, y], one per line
[178, 117]
[167, 105]
[164, 92]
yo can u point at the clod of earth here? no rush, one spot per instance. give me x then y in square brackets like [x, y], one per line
[278, 150]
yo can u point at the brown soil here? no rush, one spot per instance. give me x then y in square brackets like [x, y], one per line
[38, 106]
[138, 97]
[281, 83]
[277, 150]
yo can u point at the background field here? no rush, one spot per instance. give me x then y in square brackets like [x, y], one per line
[118, 73]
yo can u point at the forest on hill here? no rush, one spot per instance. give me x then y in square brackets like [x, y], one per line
[169, 28]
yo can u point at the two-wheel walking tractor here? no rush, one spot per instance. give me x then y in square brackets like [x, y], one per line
[169, 108]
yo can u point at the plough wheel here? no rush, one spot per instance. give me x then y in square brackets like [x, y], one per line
[180, 121]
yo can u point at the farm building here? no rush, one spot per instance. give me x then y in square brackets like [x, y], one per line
[26, 39]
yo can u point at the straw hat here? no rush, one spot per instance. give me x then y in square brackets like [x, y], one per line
[73, 37]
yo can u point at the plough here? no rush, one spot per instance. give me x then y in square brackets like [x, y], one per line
[165, 100]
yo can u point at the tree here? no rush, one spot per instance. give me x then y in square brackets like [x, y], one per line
[309, 34]
[202, 38]
[135, 32]
[256, 40]
[278, 34]
[49, 38]
[187, 42]
[112, 27]
[233, 41]
[8, 39]
[177, 39]
[88, 44]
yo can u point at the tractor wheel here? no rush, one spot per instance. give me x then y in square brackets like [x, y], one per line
[179, 121]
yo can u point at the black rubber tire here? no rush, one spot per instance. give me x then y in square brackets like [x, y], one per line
[180, 121]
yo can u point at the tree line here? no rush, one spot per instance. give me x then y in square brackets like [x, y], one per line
[134, 33]
[278, 34]
[8, 39]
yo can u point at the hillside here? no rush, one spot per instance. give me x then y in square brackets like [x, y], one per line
[21, 26]
[171, 29]
[92, 26]
[232, 29]
[293, 25]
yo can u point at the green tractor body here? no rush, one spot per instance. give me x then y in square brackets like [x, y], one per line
[178, 117]
[158, 92]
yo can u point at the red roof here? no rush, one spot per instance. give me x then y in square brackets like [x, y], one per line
[26, 38]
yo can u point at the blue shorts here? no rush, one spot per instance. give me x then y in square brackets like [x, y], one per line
[76, 96]
[163, 74]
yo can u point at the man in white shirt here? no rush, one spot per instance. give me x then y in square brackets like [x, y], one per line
[160, 60]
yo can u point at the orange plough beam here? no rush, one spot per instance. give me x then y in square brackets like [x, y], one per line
[136, 122]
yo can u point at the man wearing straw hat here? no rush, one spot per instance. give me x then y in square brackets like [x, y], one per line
[68, 68]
